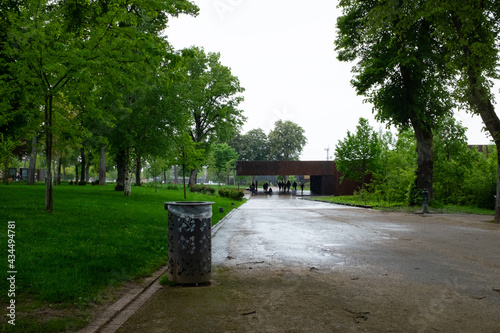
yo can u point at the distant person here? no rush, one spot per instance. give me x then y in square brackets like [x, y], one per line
[302, 187]
[295, 186]
[270, 191]
[288, 184]
[252, 189]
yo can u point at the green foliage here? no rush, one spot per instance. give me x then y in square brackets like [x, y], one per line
[233, 194]
[286, 141]
[81, 56]
[359, 154]
[210, 94]
[462, 176]
[397, 57]
[396, 60]
[223, 159]
[205, 189]
[453, 162]
[397, 167]
[171, 186]
[252, 146]
[479, 187]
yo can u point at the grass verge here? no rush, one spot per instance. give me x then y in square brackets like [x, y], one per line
[402, 207]
[95, 240]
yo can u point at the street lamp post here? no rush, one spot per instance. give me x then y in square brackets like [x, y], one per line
[328, 153]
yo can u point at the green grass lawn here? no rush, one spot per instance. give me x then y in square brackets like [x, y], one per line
[94, 240]
[402, 207]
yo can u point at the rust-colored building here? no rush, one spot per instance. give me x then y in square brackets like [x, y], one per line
[325, 179]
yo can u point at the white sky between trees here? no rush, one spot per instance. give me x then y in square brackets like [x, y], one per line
[283, 54]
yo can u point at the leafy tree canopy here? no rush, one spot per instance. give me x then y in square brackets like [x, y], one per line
[286, 141]
[358, 155]
[252, 146]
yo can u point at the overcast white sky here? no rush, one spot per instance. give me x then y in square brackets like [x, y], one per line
[283, 54]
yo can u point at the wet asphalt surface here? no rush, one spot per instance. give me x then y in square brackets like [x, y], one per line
[282, 230]
[275, 235]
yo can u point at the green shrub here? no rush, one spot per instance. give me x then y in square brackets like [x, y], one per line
[231, 193]
[205, 189]
[171, 186]
[224, 192]
[414, 195]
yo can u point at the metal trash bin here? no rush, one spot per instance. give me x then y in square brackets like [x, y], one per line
[189, 241]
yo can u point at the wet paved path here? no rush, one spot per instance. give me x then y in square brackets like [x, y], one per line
[414, 273]
[284, 231]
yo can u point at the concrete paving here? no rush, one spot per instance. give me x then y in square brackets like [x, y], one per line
[460, 252]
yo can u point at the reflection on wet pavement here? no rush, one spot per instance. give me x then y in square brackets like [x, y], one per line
[282, 230]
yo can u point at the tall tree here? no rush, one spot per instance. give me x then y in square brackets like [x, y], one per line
[58, 45]
[252, 146]
[286, 141]
[397, 61]
[211, 94]
[470, 33]
[152, 116]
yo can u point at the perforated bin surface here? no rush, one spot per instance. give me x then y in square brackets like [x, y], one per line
[189, 241]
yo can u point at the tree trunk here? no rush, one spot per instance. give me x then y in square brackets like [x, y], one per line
[192, 178]
[32, 165]
[138, 171]
[87, 171]
[58, 173]
[102, 166]
[49, 190]
[128, 184]
[479, 97]
[176, 175]
[122, 168]
[425, 159]
[82, 177]
[76, 173]
[184, 180]
[5, 174]
[481, 102]
[128, 177]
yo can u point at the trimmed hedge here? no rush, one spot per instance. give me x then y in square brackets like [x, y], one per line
[231, 193]
[205, 189]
